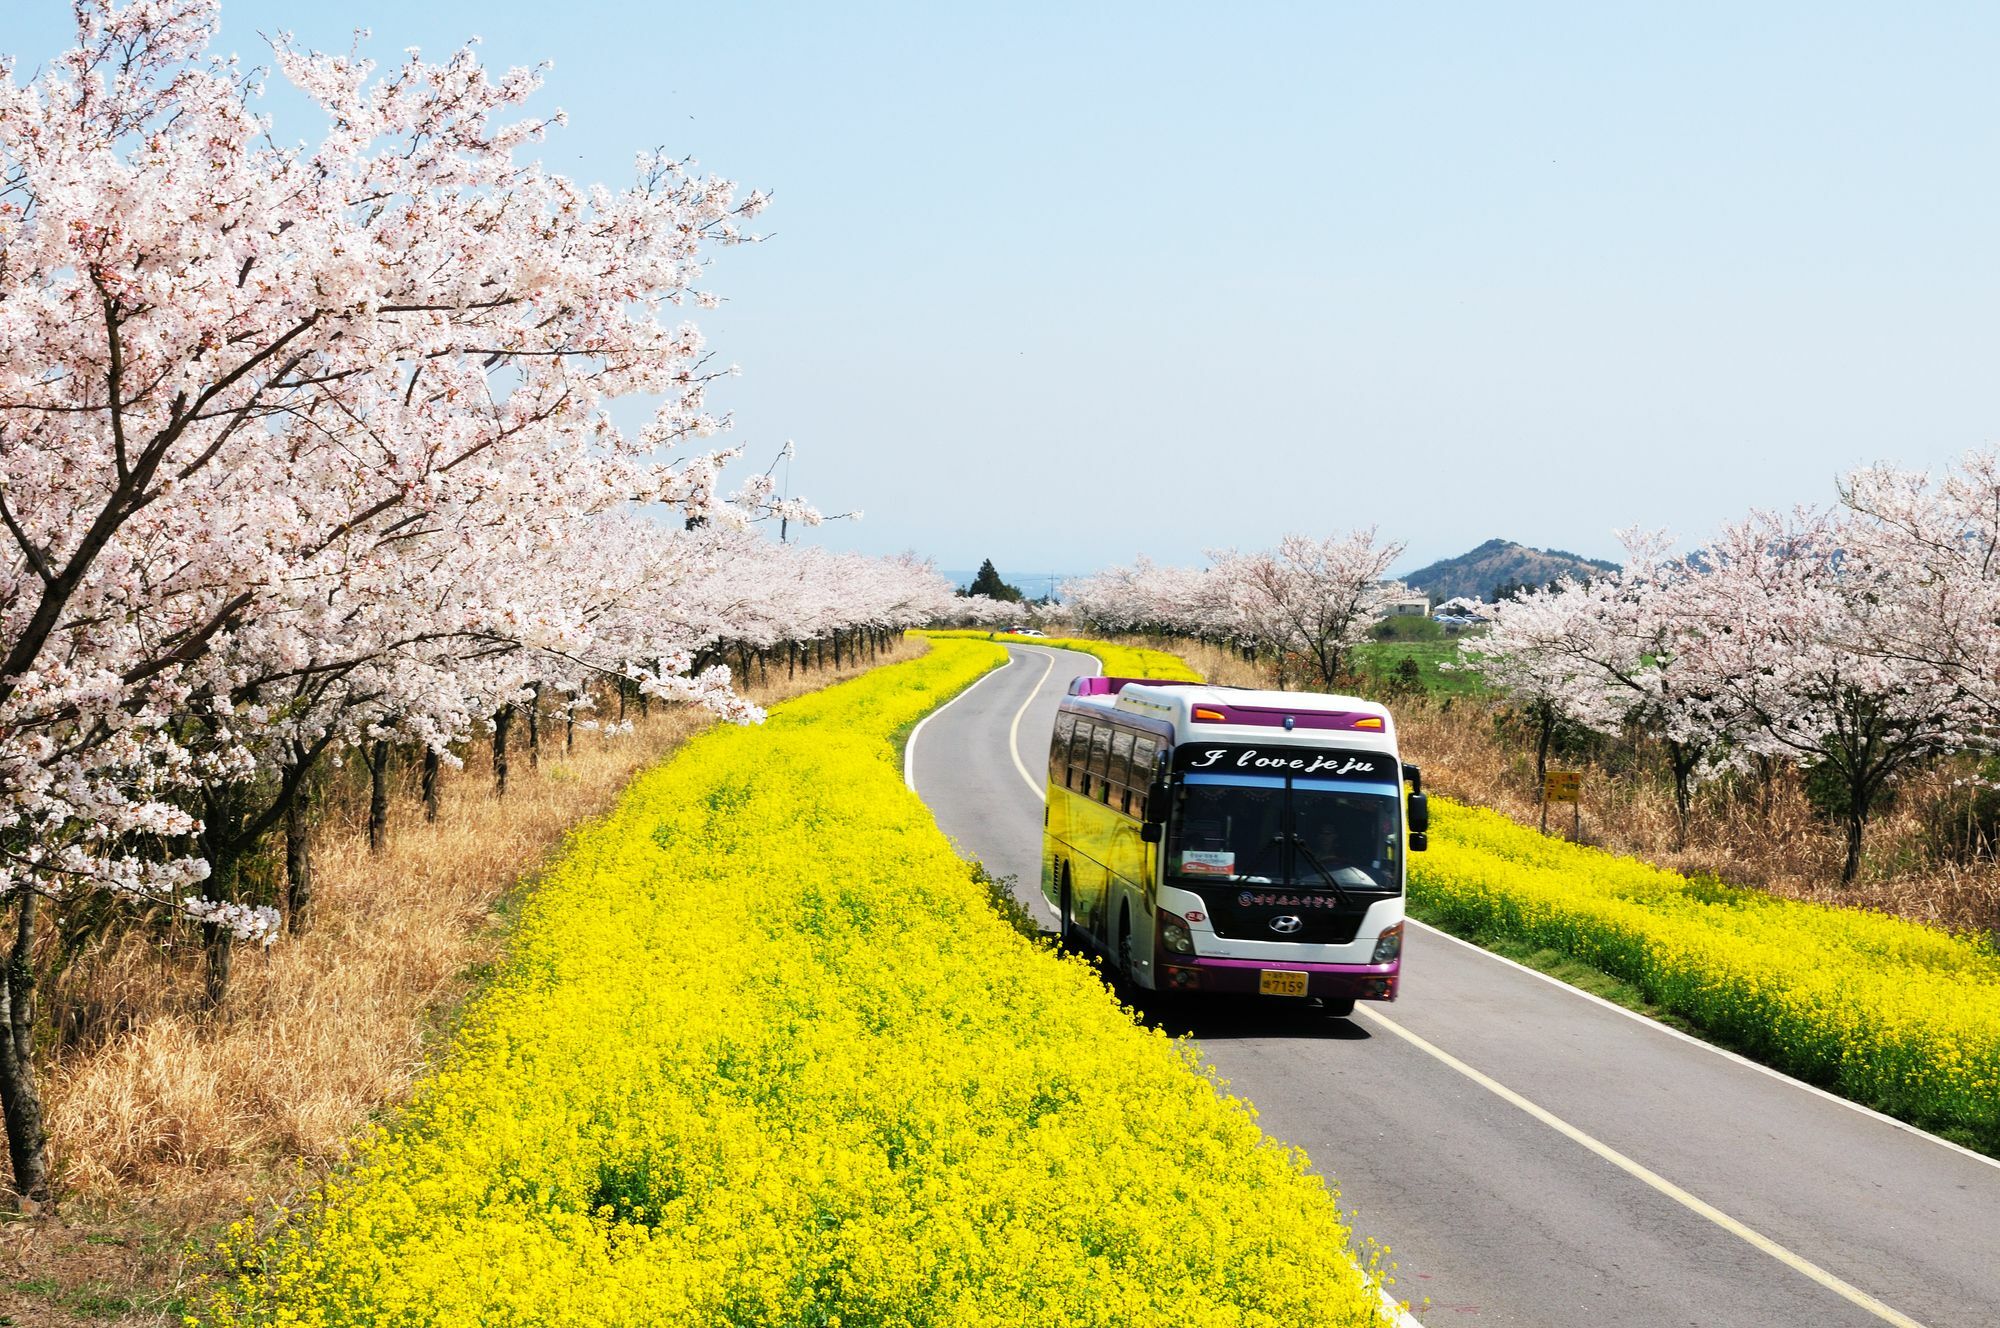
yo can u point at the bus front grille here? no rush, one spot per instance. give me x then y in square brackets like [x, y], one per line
[1241, 913]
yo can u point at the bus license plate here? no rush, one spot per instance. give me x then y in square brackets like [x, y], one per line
[1281, 982]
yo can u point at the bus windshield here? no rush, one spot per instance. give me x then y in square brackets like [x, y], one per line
[1297, 832]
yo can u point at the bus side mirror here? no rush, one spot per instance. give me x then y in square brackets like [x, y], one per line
[1420, 814]
[1149, 831]
[1413, 775]
[1419, 841]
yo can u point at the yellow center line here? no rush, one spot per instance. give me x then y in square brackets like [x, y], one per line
[1617, 1159]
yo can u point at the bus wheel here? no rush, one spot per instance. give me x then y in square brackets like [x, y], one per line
[1123, 958]
[1340, 1009]
[1066, 937]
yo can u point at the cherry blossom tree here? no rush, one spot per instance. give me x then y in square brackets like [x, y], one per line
[1936, 542]
[1313, 598]
[1541, 653]
[249, 394]
[1799, 629]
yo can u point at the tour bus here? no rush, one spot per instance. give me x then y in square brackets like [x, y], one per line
[1223, 840]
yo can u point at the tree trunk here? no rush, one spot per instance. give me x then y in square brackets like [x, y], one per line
[836, 650]
[298, 863]
[430, 782]
[1860, 794]
[1683, 761]
[218, 941]
[534, 726]
[791, 659]
[503, 720]
[20, 1096]
[378, 794]
[569, 726]
[1545, 719]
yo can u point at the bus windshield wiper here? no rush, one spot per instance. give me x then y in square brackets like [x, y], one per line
[1325, 875]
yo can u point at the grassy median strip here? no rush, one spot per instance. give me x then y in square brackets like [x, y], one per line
[761, 1053]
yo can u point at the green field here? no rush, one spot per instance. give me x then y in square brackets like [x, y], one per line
[1379, 660]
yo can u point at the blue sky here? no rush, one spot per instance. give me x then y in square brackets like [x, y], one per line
[1058, 285]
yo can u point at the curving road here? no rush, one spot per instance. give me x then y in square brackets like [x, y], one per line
[1533, 1155]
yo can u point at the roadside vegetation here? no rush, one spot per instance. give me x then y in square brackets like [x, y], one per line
[165, 1114]
[762, 1052]
[1898, 1016]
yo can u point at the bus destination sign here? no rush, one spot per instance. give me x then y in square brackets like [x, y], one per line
[1219, 758]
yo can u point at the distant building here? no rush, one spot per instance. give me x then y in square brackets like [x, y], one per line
[1409, 606]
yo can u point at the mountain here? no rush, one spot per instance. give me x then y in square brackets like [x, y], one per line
[1500, 562]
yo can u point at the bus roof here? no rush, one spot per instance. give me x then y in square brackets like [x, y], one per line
[1185, 705]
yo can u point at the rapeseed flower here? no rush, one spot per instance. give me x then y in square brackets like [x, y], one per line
[1895, 1014]
[760, 1053]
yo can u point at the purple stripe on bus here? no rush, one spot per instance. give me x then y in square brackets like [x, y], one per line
[1103, 686]
[1295, 965]
[1264, 717]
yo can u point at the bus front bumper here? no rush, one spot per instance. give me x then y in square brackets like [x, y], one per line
[1245, 977]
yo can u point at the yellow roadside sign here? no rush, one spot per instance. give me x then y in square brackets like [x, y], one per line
[1562, 786]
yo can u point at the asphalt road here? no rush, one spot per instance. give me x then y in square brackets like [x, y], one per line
[1534, 1156]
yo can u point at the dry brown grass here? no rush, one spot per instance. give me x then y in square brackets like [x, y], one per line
[1746, 831]
[163, 1127]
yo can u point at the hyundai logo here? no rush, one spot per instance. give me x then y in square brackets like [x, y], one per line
[1287, 924]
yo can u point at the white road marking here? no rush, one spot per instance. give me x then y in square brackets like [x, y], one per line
[1723, 1052]
[1014, 729]
[1658, 1182]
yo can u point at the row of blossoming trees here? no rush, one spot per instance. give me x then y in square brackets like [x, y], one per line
[1859, 642]
[1305, 605]
[310, 447]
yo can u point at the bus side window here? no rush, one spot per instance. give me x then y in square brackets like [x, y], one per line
[1059, 749]
[1079, 758]
[1100, 762]
[1120, 792]
[1144, 753]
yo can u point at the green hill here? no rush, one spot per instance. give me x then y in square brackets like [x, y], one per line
[1497, 563]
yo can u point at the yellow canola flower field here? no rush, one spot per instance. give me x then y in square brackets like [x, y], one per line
[761, 1054]
[1894, 1014]
[1118, 661]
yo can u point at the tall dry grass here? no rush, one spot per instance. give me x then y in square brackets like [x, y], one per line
[326, 1029]
[1754, 830]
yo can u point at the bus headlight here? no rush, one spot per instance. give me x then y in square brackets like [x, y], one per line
[1175, 936]
[1390, 946]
